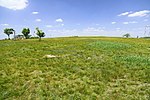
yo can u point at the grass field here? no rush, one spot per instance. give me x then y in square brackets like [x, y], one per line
[85, 68]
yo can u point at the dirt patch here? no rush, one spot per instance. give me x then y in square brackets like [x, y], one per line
[50, 56]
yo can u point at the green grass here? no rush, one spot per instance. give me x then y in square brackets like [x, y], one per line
[86, 68]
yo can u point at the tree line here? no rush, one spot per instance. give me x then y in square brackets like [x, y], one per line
[25, 32]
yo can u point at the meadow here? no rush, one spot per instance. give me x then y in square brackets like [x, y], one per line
[83, 68]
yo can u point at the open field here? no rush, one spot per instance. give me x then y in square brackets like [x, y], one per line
[95, 68]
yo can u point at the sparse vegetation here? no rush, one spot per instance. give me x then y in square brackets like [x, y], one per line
[95, 68]
[40, 33]
[126, 35]
[26, 32]
[8, 32]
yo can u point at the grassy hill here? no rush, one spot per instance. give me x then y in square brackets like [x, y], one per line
[95, 68]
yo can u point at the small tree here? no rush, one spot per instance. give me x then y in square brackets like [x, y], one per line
[40, 33]
[126, 35]
[8, 32]
[26, 32]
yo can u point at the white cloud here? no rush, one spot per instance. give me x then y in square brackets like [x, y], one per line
[59, 20]
[34, 13]
[38, 20]
[125, 22]
[49, 26]
[62, 24]
[113, 22]
[14, 4]
[5, 24]
[125, 13]
[140, 13]
[131, 22]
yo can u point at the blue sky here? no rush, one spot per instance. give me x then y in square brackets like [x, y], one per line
[76, 17]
